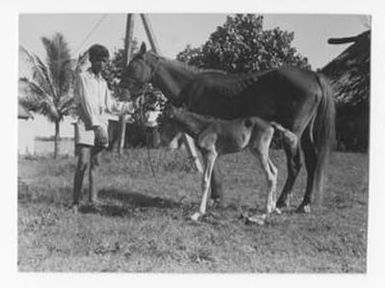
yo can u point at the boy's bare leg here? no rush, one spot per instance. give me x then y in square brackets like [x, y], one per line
[94, 163]
[82, 164]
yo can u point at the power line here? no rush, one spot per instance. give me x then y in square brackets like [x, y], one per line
[97, 24]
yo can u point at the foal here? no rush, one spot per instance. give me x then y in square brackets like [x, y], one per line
[216, 137]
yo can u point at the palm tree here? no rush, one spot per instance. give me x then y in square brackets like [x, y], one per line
[49, 89]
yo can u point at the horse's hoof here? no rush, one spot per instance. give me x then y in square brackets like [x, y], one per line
[305, 209]
[75, 209]
[195, 216]
[281, 204]
[216, 203]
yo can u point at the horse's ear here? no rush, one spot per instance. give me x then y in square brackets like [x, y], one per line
[142, 48]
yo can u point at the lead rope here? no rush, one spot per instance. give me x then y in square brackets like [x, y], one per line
[141, 115]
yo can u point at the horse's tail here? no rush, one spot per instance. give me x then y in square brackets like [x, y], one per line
[323, 133]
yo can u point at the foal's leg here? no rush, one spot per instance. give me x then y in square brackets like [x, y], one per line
[210, 157]
[261, 150]
[271, 179]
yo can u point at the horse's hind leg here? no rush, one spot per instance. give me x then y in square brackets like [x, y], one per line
[310, 162]
[216, 183]
[294, 165]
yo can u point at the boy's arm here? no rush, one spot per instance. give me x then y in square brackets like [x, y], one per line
[118, 107]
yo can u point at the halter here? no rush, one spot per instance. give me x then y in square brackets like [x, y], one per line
[155, 66]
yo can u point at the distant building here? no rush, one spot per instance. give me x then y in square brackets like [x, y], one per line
[26, 136]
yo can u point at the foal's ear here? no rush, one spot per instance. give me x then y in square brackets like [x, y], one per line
[142, 49]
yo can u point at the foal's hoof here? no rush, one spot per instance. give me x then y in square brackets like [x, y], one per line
[195, 216]
[305, 209]
[257, 219]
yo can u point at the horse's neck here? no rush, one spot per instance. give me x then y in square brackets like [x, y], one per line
[171, 77]
[193, 124]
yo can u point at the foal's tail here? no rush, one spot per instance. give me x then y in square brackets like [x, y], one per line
[323, 133]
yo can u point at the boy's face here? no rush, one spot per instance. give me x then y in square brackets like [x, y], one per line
[99, 64]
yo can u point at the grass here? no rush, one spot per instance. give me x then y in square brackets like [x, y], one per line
[143, 225]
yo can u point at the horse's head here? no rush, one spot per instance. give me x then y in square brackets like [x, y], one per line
[138, 72]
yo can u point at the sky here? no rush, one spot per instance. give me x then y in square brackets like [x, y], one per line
[174, 32]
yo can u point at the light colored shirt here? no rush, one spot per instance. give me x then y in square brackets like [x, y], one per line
[94, 100]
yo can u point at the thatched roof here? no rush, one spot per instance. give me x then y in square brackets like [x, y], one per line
[350, 71]
[22, 113]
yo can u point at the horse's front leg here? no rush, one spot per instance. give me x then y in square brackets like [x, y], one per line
[210, 158]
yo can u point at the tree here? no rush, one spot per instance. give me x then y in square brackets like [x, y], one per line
[241, 45]
[48, 90]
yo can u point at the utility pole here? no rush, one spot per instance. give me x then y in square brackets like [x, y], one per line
[189, 143]
[126, 59]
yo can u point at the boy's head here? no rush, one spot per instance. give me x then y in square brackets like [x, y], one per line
[98, 56]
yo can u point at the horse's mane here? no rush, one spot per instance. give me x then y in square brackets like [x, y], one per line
[186, 66]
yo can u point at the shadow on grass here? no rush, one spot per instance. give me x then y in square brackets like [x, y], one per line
[129, 203]
[137, 199]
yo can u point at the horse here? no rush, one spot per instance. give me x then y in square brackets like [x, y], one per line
[299, 100]
[217, 137]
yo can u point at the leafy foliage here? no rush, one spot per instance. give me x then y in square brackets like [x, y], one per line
[241, 45]
[48, 90]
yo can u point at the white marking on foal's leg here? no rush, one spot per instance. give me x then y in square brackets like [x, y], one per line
[273, 192]
[210, 160]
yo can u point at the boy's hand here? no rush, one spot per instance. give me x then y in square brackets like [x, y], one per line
[101, 136]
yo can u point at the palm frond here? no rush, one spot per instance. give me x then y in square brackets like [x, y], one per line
[35, 99]
[30, 89]
[46, 74]
[40, 72]
[66, 104]
[58, 61]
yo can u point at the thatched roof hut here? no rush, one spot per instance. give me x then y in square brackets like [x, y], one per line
[350, 71]
[350, 77]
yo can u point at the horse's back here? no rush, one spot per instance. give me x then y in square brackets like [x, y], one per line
[275, 95]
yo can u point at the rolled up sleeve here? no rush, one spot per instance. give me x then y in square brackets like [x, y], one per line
[117, 107]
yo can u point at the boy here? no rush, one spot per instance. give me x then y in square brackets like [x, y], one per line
[93, 99]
